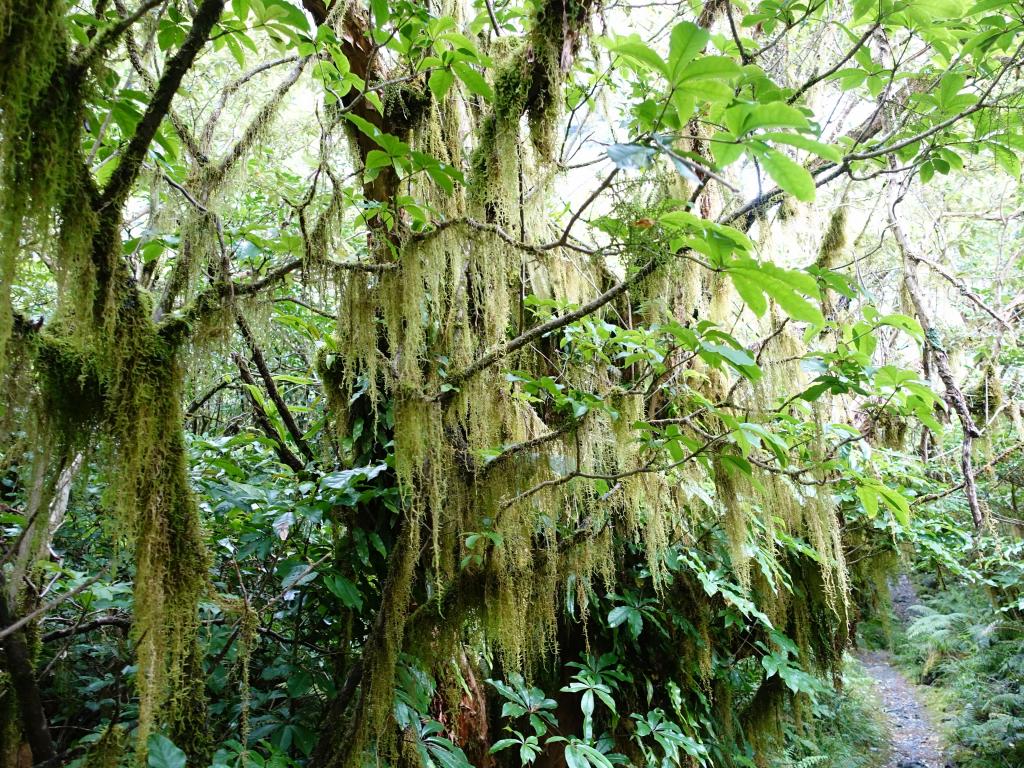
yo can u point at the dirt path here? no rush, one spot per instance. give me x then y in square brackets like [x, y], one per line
[915, 737]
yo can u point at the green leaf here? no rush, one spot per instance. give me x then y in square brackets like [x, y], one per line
[897, 504]
[692, 222]
[162, 753]
[726, 149]
[788, 174]
[377, 159]
[710, 68]
[775, 114]
[787, 287]
[473, 80]
[826, 151]
[618, 615]
[344, 590]
[631, 156]
[504, 744]
[750, 291]
[869, 498]
[687, 41]
[637, 51]
[381, 14]
[905, 323]
[439, 83]
[1006, 159]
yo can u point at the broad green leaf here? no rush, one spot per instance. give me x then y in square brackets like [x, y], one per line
[686, 42]
[473, 80]
[726, 149]
[345, 591]
[631, 156]
[776, 114]
[869, 498]
[788, 174]
[161, 752]
[440, 81]
[897, 504]
[750, 292]
[694, 223]
[637, 51]
[826, 151]
[710, 68]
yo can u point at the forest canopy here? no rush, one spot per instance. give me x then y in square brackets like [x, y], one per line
[479, 383]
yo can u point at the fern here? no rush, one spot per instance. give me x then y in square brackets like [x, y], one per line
[813, 760]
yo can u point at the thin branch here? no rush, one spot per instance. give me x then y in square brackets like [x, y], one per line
[306, 305]
[744, 56]
[961, 286]
[560, 321]
[207, 135]
[832, 70]
[698, 168]
[1003, 455]
[493, 18]
[187, 195]
[271, 386]
[575, 217]
[479, 226]
[827, 172]
[210, 299]
[46, 607]
[616, 477]
[218, 172]
[200, 401]
[517, 448]
[121, 622]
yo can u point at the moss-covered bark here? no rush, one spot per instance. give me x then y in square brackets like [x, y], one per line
[106, 373]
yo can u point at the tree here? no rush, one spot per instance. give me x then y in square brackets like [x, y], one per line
[593, 424]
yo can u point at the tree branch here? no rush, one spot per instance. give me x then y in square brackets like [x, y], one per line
[832, 70]
[272, 390]
[85, 58]
[284, 453]
[117, 189]
[121, 622]
[560, 321]
[953, 393]
[961, 286]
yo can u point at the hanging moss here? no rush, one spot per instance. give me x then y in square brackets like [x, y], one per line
[109, 749]
[40, 116]
[834, 241]
[373, 721]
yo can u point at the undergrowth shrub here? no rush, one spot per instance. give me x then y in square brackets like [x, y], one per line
[973, 656]
[845, 728]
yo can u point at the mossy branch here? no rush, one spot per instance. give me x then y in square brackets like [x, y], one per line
[119, 186]
[488, 359]
[207, 134]
[218, 173]
[99, 45]
[19, 666]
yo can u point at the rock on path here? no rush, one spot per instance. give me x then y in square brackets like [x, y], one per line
[915, 738]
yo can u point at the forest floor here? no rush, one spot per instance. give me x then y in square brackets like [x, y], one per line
[914, 732]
